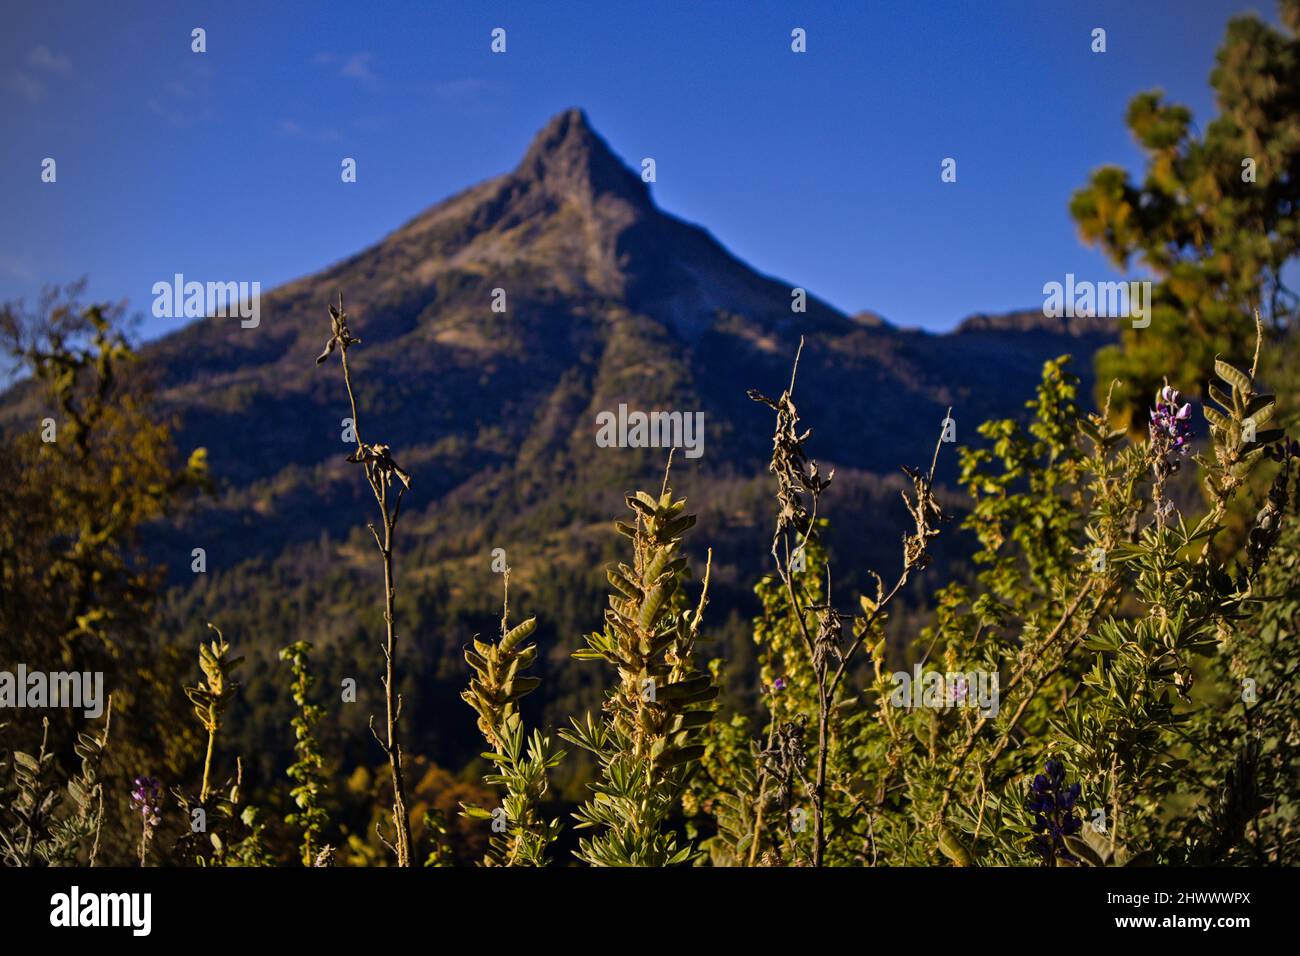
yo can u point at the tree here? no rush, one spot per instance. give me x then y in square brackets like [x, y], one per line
[1214, 218]
[87, 464]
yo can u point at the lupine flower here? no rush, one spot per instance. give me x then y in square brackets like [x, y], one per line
[1052, 804]
[1171, 421]
[957, 691]
[144, 800]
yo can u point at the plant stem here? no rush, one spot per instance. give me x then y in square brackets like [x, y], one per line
[392, 702]
[401, 821]
[207, 766]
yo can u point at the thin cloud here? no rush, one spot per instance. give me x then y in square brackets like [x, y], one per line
[353, 66]
[22, 267]
[40, 60]
[43, 58]
[471, 88]
[295, 130]
[184, 102]
[28, 87]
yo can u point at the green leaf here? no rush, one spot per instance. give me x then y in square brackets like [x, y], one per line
[1084, 851]
[683, 755]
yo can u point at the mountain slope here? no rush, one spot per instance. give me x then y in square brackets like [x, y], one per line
[608, 300]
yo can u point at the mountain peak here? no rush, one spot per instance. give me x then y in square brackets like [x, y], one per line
[567, 125]
[571, 160]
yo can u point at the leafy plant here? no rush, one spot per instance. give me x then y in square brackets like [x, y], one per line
[650, 739]
[308, 771]
[521, 836]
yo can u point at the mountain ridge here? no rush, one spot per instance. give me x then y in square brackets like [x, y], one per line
[609, 300]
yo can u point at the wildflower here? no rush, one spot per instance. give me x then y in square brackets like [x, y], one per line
[1171, 422]
[778, 685]
[1052, 804]
[144, 800]
[957, 691]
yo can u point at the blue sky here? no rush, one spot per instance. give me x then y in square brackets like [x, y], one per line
[821, 169]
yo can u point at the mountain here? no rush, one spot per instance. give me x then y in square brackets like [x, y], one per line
[609, 300]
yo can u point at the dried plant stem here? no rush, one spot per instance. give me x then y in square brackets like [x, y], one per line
[99, 822]
[797, 476]
[393, 709]
[762, 797]
[380, 485]
[819, 787]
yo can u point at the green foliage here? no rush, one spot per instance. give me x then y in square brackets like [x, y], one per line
[1252, 725]
[435, 826]
[32, 831]
[308, 771]
[1117, 631]
[232, 833]
[211, 695]
[234, 836]
[520, 836]
[726, 792]
[77, 501]
[76, 593]
[650, 739]
[79, 829]
[30, 813]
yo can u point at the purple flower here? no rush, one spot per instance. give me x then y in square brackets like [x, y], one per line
[957, 691]
[1052, 804]
[1171, 422]
[778, 685]
[144, 800]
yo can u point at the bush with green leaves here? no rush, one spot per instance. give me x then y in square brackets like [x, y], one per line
[649, 739]
[521, 762]
[1127, 638]
[33, 831]
[308, 771]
